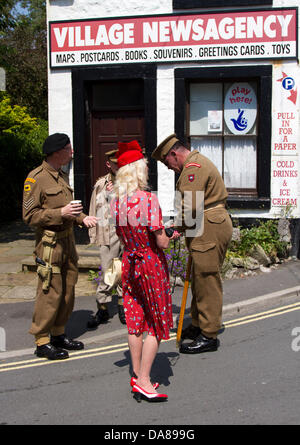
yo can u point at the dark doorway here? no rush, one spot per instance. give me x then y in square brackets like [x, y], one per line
[117, 114]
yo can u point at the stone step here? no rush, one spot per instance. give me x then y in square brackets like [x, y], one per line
[85, 263]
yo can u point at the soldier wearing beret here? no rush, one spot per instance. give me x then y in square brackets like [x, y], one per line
[105, 237]
[198, 173]
[47, 208]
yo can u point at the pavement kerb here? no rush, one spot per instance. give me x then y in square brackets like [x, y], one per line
[278, 297]
[228, 310]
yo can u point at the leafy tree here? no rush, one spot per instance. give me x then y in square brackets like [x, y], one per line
[6, 17]
[23, 54]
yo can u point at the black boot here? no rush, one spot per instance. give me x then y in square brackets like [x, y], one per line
[100, 317]
[62, 341]
[51, 352]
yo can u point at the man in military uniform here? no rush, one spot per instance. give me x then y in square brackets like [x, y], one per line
[104, 235]
[47, 207]
[198, 173]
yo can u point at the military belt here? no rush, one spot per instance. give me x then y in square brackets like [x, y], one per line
[63, 234]
[214, 206]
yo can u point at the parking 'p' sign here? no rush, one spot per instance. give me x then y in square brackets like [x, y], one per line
[288, 83]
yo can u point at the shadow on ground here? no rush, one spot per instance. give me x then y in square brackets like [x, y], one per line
[14, 231]
[162, 368]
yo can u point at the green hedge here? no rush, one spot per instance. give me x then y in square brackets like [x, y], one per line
[21, 139]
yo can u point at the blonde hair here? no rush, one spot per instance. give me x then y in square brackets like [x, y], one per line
[131, 177]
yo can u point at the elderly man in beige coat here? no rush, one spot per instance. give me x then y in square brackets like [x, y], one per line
[104, 235]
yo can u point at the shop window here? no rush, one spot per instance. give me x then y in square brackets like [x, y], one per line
[225, 113]
[190, 4]
[222, 125]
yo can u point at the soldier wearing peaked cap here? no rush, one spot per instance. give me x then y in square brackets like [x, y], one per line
[105, 237]
[47, 208]
[198, 173]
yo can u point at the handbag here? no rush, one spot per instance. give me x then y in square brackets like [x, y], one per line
[113, 274]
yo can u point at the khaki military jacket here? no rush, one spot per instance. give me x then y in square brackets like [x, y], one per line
[46, 191]
[99, 207]
[200, 174]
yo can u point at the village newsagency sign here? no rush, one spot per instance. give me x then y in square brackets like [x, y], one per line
[255, 34]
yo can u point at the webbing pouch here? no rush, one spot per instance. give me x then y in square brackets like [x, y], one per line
[49, 238]
[45, 274]
[49, 242]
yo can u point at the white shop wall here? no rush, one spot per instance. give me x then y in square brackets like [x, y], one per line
[285, 113]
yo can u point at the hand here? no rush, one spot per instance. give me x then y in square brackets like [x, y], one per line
[175, 235]
[70, 211]
[90, 221]
[110, 186]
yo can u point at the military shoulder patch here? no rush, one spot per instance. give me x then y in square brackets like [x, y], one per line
[193, 164]
[27, 187]
[191, 178]
[30, 180]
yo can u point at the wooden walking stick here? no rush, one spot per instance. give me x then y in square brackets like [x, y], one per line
[184, 298]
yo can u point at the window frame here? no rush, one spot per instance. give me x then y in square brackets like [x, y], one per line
[263, 76]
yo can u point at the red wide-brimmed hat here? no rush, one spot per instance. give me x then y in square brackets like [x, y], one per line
[128, 152]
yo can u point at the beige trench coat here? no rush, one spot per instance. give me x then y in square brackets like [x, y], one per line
[99, 206]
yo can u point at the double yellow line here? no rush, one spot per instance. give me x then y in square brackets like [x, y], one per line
[262, 315]
[104, 350]
[75, 356]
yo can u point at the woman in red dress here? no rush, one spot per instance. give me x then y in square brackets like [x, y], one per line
[145, 277]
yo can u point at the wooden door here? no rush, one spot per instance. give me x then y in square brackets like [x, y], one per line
[110, 127]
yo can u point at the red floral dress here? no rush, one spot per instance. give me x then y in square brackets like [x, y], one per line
[145, 275]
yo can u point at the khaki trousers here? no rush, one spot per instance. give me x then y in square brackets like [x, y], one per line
[54, 307]
[208, 254]
[107, 253]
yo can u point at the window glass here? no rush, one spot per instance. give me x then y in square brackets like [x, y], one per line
[205, 100]
[223, 126]
[211, 148]
[240, 162]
